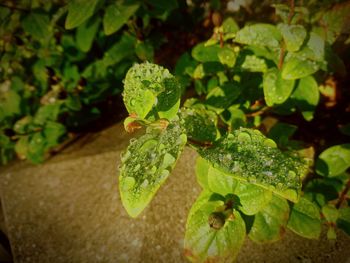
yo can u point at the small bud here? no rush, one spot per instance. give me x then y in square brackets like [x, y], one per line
[216, 18]
[216, 220]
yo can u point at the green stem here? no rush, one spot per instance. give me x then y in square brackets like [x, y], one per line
[343, 194]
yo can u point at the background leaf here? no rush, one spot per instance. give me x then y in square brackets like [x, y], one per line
[79, 11]
[270, 222]
[305, 219]
[116, 15]
[334, 160]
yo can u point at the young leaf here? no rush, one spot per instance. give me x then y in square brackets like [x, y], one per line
[227, 57]
[202, 168]
[204, 53]
[79, 11]
[200, 117]
[253, 63]
[221, 182]
[248, 155]
[296, 68]
[53, 132]
[205, 244]
[306, 96]
[330, 213]
[259, 35]
[305, 219]
[334, 160]
[270, 222]
[252, 198]
[293, 35]
[46, 113]
[85, 34]
[37, 25]
[117, 15]
[10, 103]
[146, 165]
[230, 28]
[343, 221]
[148, 86]
[276, 89]
[36, 148]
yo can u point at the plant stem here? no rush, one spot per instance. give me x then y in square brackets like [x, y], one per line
[283, 48]
[343, 194]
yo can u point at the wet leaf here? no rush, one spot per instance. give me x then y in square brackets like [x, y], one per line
[202, 168]
[293, 35]
[146, 165]
[148, 86]
[276, 89]
[252, 198]
[296, 68]
[205, 244]
[305, 219]
[200, 117]
[227, 57]
[248, 155]
[306, 96]
[334, 160]
[270, 222]
[221, 182]
[259, 35]
[204, 53]
[330, 212]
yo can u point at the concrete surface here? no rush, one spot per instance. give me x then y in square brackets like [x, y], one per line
[69, 210]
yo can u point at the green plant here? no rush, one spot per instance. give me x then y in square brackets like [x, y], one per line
[253, 184]
[62, 63]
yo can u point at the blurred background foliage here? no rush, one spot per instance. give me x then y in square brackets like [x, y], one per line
[63, 62]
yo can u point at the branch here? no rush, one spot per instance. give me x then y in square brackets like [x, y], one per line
[343, 194]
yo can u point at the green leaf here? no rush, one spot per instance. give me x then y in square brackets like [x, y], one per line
[36, 148]
[315, 48]
[253, 63]
[306, 96]
[21, 147]
[281, 132]
[229, 28]
[117, 15]
[293, 35]
[46, 113]
[10, 103]
[37, 25]
[204, 53]
[334, 160]
[202, 168]
[227, 57]
[221, 182]
[296, 68]
[23, 125]
[200, 117]
[148, 86]
[53, 132]
[276, 89]
[343, 221]
[252, 198]
[144, 50]
[79, 11]
[248, 155]
[146, 165]
[335, 21]
[223, 96]
[236, 118]
[85, 34]
[119, 51]
[259, 35]
[305, 219]
[330, 213]
[205, 244]
[270, 222]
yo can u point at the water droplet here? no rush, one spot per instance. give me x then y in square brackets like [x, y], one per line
[244, 137]
[292, 174]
